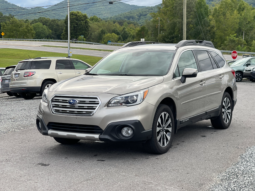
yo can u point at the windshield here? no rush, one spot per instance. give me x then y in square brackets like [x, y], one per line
[240, 62]
[8, 71]
[135, 63]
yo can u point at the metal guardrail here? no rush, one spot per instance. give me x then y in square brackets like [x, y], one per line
[50, 40]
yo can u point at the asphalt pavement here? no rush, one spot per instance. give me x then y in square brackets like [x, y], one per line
[201, 158]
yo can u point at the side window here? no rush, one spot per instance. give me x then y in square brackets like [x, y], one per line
[186, 60]
[79, 65]
[45, 64]
[64, 65]
[215, 66]
[203, 60]
[218, 59]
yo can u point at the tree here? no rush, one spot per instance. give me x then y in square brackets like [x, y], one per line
[110, 37]
[141, 33]
[18, 29]
[79, 25]
[234, 43]
[41, 31]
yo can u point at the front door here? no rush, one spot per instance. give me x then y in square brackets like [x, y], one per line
[190, 94]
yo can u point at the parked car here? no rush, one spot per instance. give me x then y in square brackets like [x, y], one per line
[34, 75]
[1, 74]
[231, 62]
[248, 72]
[240, 65]
[6, 80]
[143, 93]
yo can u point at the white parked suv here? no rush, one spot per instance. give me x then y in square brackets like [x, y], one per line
[143, 93]
[34, 75]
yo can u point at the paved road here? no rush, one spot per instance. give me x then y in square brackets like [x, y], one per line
[30, 45]
[200, 154]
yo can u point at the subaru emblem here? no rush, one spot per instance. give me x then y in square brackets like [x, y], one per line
[73, 102]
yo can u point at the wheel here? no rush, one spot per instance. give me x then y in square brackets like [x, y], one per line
[66, 141]
[46, 85]
[223, 121]
[162, 131]
[28, 95]
[252, 79]
[239, 76]
[9, 93]
[16, 95]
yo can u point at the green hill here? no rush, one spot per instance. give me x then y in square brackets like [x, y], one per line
[139, 16]
[59, 11]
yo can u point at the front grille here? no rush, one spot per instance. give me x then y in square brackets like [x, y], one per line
[84, 105]
[73, 128]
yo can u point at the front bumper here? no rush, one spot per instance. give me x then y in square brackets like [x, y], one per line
[25, 90]
[112, 133]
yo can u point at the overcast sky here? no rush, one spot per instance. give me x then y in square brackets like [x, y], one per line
[32, 3]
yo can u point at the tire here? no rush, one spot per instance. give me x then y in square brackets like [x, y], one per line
[162, 135]
[223, 121]
[252, 80]
[66, 141]
[16, 95]
[46, 85]
[28, 96]
[9, 93]
[239, 76]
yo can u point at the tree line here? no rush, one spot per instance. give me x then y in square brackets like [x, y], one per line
[229, 24]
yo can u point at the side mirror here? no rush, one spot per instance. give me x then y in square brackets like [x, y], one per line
[87, 70]
[188, 73]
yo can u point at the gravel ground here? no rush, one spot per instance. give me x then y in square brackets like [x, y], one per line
[12, 115]
[240, 176]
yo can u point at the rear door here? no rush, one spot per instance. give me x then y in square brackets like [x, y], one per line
[64, 69]
[212, 74]
[80, 67]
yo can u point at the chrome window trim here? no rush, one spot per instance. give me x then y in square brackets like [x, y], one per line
[77, 96]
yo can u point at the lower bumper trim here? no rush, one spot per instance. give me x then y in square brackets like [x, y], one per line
[25, 90]
[81, 136]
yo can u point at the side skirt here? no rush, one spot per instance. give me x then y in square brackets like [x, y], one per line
[200, 117]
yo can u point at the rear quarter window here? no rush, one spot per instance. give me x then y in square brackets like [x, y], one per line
[218, 59]
[45, 64]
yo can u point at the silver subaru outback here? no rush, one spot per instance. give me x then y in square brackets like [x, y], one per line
[143, 93]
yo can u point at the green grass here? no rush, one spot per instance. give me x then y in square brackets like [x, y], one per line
[78, 48]
[13, 56]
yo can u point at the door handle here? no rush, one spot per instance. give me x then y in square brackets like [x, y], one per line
[202, 83]
[221, 76]
[60, 73]
[78, 73]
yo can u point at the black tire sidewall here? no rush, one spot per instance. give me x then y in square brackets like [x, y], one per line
[154, 143]
[45, 84]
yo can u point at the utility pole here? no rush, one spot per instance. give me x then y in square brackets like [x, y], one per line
[158, 27]
[184, 19]
[68, 9]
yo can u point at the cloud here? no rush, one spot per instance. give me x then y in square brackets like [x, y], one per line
[34, 3]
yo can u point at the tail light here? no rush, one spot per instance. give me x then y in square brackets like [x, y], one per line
[234, 73]
[29, 74]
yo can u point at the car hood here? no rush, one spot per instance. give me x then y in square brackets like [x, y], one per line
[106, 84]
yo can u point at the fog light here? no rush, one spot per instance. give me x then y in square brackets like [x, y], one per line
[127, 131]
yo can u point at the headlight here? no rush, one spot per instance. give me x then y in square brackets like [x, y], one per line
[253, 69]
[44, 96]
[128, 99]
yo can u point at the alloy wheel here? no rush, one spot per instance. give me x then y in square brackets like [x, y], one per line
[238, 77]
[164, 129]
[226, 110]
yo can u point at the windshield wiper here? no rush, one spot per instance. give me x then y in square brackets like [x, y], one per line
[91, 74]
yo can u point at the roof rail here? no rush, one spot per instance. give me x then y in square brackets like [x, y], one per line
[137, 43]
[195, 43]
